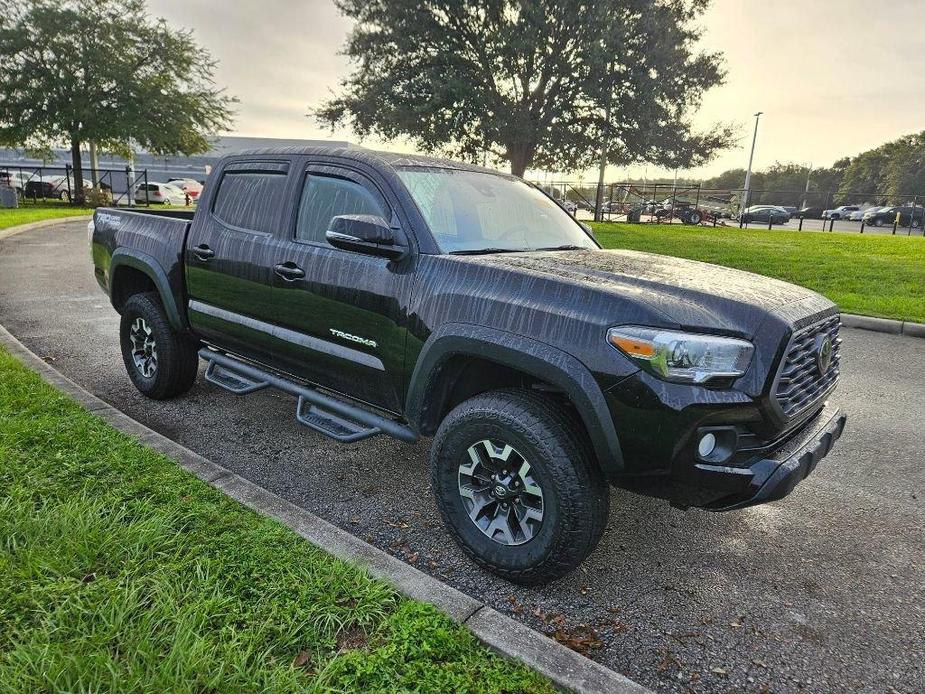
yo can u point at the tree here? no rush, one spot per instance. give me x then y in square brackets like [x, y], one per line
[537, 84]
[77, 71]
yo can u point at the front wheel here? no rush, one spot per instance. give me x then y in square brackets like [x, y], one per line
[161, 363]
[518, 486]
[694, 218]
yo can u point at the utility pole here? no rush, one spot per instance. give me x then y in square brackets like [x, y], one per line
[809, 172]
[599, 198]
[748, 174]
[94, 164]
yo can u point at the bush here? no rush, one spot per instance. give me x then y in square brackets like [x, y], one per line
[98, 197]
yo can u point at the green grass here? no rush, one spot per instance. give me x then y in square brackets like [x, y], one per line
[880, 276]
[119, 571]
[29, 212]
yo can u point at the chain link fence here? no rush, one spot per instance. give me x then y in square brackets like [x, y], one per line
[48, 184]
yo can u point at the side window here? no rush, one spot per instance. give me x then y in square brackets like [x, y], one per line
[250, 200]
[326, 197]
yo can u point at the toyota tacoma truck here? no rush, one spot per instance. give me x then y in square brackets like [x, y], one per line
[417, 297]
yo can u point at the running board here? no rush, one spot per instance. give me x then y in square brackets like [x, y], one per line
[318, 411]
[230, 381]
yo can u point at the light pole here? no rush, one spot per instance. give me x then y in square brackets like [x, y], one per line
[809, 172]
[748, 174]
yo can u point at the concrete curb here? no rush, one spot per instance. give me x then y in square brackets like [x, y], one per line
[12, 231]
[566, 668]
[883, 325]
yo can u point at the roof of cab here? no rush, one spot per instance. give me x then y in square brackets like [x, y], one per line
[375, 158]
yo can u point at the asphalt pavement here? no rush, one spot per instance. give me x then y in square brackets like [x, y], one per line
[822, 591]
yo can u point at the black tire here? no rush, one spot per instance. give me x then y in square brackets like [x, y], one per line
[878, 222]
[694, 218]
[575, 494]
[176, 362]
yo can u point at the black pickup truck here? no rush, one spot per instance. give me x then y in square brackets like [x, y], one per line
[413, 297]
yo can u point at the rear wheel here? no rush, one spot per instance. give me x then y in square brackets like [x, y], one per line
[160, 362]
[694, 218]
[517, 485]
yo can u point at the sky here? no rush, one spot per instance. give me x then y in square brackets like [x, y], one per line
[833, 77]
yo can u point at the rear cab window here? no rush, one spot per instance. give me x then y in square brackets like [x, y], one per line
[250, 195]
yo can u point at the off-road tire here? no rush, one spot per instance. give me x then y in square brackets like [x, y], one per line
[550, 436]
[177, 355]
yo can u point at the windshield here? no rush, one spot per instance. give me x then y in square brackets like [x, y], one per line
[470, 211]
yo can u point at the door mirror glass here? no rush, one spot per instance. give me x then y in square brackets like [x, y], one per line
[365, 233]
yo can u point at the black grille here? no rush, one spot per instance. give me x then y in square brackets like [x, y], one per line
[800, 383]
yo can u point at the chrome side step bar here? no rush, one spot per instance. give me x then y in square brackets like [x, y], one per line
[323, 413]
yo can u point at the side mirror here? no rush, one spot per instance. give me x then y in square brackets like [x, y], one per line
[365, 233]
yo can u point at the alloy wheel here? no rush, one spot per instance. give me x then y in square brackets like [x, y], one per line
[500, 493]
[144, 347]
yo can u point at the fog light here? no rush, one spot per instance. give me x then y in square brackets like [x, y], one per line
[706, 446]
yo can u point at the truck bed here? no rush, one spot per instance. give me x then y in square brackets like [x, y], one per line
[145, 240]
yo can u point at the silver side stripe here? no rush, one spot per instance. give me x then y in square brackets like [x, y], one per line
[290, 336]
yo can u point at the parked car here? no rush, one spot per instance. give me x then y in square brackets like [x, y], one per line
[859, 214]
[569, 206]
[190, 186]
[765, 213]
[810, 213]
[50, 186]
[56, 186]
[16, 180]
[159, 193]
[543, 366]
[789, 209]
[885, 216]
[840, 212]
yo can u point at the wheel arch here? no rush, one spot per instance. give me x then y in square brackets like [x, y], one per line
[450, 351]
[132, 272]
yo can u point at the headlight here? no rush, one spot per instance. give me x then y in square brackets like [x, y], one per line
[682, 357]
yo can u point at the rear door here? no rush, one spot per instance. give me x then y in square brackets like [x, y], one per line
[228, 257]
[344, 312]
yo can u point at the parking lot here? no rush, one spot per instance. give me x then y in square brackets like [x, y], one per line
[819, 225]
[819, 592]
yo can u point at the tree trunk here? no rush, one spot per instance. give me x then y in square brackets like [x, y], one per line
[77, 185]
[520, 157]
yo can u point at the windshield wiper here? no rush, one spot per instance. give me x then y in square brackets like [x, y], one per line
[563, 248]
[480, 251]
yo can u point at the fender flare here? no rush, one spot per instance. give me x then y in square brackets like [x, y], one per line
[524, 354]
[147, 264]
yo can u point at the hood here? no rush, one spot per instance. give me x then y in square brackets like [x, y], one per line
[691, 294]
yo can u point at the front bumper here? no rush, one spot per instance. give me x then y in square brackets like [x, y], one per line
[779, 468]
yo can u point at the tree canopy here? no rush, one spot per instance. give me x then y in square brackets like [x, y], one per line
[893, 173]
[76, 71]
[537, 84]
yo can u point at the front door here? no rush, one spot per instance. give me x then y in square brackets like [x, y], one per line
[346, 311]
[228, 258]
